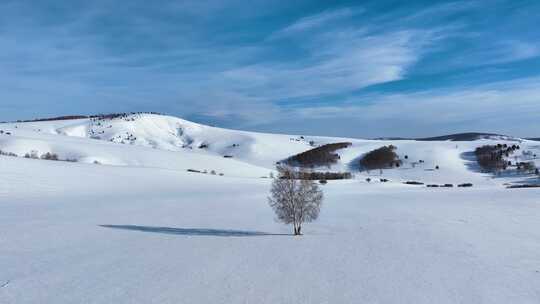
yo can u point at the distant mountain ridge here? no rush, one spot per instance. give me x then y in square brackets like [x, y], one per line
[468, 136]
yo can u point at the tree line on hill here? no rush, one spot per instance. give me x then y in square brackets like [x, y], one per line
[97, 116]
[311, 175]
[493, 158]
[320, 156]
[381, 158]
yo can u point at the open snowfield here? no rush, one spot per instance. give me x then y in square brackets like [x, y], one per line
[136, 227]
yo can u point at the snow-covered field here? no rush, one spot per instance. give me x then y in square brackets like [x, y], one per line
[126, 223]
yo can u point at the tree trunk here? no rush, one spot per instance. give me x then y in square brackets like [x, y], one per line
[297, 229]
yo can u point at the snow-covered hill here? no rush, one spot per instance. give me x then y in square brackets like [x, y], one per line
[125, 222]
[151, 140]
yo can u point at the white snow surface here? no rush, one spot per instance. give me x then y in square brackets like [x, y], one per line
[139, 228]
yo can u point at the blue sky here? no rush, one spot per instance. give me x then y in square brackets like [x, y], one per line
[348, 68]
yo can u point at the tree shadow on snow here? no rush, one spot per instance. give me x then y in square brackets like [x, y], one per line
[191, 231]
[532, 180]
[354, 165]
[470, 161]
[472, 164]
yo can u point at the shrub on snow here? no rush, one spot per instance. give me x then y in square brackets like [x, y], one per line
[49, 156]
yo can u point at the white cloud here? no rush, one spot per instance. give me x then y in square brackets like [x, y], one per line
[74, 66]
[317, 20]
[514, 50]
[507, 107]
[67, 63]
[341, 62]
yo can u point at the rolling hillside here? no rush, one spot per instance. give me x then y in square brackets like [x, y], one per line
[120, 219]
[152, 140]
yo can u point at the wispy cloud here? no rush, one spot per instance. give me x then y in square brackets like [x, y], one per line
[338, 60]
[508, 107]
[213, 59]
[316, 21]
[342, 62]
[512, 50]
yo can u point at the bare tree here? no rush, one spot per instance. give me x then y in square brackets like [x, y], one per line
[295, 201]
